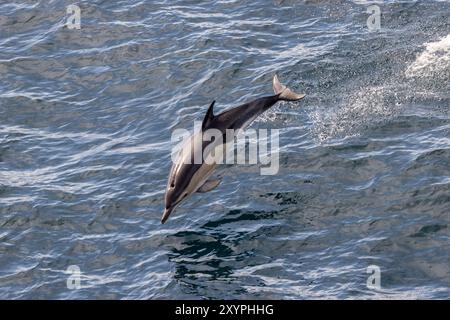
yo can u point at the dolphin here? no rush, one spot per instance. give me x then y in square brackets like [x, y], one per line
[187, 177]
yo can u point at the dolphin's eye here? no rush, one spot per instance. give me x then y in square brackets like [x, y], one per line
[172, 185]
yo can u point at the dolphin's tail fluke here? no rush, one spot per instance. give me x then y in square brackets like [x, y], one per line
[284, 92]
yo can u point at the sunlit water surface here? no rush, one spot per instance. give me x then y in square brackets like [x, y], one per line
[86, 118]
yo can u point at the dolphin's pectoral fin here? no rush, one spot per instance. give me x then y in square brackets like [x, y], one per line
[209, 185]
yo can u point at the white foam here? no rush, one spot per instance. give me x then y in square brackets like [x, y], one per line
[433, 61]
[358, 110]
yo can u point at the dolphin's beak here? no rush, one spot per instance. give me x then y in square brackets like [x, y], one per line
[166, 214]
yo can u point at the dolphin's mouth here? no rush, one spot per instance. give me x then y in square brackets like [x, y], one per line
[168, 211]
[166, 214]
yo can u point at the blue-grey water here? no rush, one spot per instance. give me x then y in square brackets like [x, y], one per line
[86, 117]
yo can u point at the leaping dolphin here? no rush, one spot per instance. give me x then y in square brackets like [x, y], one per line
[187, 177]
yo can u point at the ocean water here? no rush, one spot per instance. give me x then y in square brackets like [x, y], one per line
[86, 117]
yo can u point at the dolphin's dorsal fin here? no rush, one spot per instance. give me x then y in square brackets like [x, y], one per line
[209, 116]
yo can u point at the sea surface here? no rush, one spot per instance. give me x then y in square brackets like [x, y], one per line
[87, 116]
